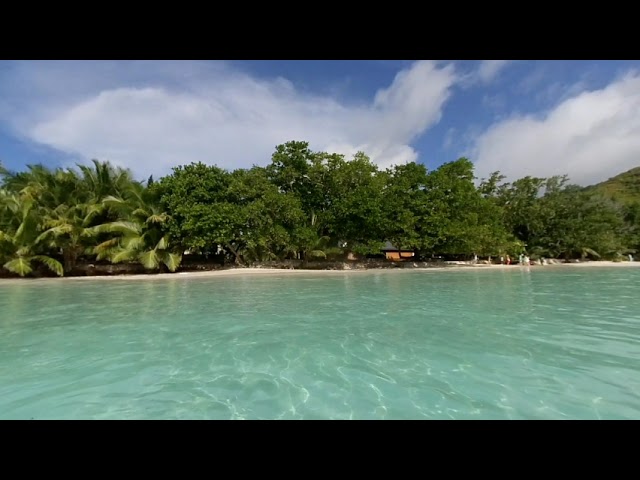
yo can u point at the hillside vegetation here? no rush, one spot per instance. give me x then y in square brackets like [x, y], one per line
[623, 188]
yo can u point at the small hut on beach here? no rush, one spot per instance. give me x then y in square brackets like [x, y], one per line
[393, 253]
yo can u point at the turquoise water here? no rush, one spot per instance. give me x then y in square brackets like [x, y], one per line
[540, 343]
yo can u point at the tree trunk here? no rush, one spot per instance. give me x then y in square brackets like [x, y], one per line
[238, 260]
[69, 259]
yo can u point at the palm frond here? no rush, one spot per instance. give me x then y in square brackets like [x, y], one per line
[55, 231]
[106, 245]
[133, 242]
[591, 252]
[122, 255]
[106, 254]
[105, 249]
[149, 259]
[157, 218]
[92, 210]
[114, 202]
[130, 228]
[163, 243]
[172, 260]
[88, 232]
[140, 212]
[60, 209]
[19, 265]
[20, 230]
[51, 263]
[5, 237]
[23, 251]
[48, 222]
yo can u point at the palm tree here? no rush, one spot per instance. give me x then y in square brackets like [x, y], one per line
[312, 244]
[104, 180]
[18, 238]
[63, 205]
[68, 228]
[141, 236]
[49, 188]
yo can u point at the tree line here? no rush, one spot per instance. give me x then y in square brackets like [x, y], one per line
[305, 205]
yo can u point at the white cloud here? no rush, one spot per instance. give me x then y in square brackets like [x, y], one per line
[489, 69]
[591, 136]
[150, 116]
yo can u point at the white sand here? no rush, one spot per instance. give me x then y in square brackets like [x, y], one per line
[278, 271]
[603, 263]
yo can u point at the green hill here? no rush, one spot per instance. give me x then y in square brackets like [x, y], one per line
[623, 188]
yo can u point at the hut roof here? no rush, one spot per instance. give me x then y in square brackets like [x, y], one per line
[389, 247]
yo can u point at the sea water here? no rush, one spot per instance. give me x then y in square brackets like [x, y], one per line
[516, 343]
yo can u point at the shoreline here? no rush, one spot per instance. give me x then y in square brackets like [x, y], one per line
[265, 271]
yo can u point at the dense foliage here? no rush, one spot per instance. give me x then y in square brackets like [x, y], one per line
[304, 205]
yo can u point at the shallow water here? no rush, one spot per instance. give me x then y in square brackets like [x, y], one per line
[539, 343]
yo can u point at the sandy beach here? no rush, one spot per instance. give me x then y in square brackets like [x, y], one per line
[257, 271]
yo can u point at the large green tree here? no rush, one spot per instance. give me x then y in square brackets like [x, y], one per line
[461, 220]
[202, 219]
[576, 223]
[405, 205]
[355, 216]
[271, 219]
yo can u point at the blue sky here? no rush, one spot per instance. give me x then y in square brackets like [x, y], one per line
[540, 118]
